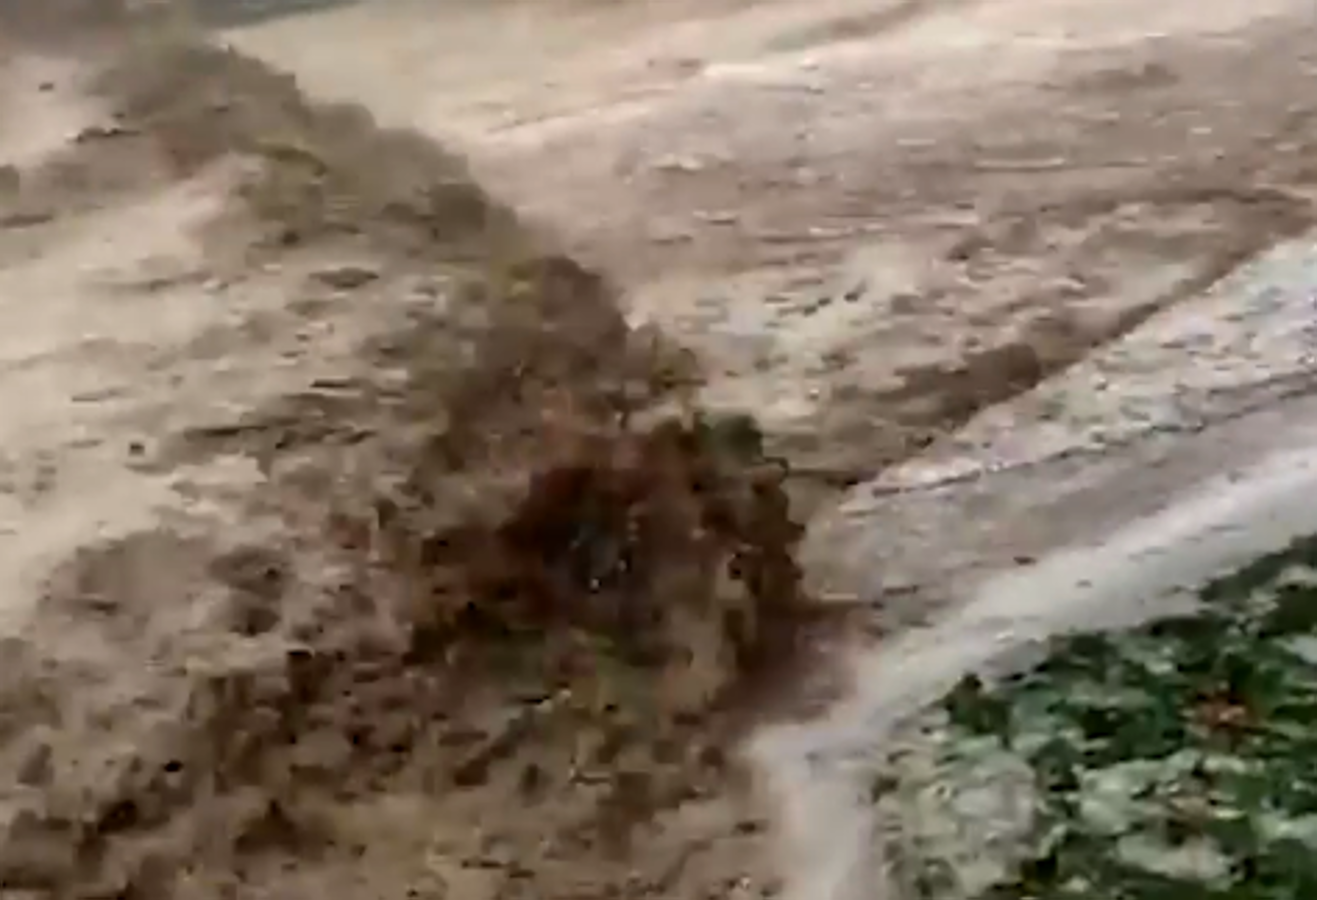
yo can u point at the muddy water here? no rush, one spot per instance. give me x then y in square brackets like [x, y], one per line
[869, 238]
[822, 771]
[1071, 506]
[1107, 483]
[1235, 485]
[1066, 517]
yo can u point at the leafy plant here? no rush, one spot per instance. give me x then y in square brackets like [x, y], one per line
[1172, 761]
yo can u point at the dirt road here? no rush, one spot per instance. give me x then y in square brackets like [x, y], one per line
[881, 228]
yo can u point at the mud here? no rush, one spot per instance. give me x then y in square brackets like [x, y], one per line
[358, 537]
[490, 565]
[871, 221]
[1231, 493]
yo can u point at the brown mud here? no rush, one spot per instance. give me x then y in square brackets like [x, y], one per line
[870, 220]
[357, 540]
[484, 617]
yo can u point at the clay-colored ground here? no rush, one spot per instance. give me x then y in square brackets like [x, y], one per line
[226, 319]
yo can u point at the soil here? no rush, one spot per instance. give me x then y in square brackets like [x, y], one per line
[360, 537]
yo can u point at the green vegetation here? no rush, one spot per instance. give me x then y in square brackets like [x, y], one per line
[1173, 761]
